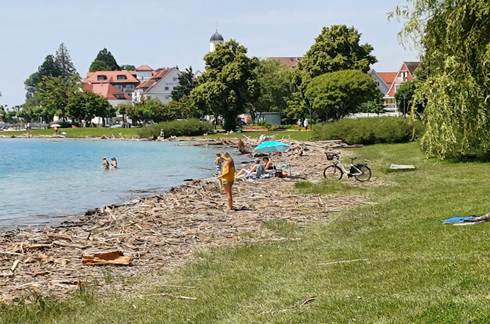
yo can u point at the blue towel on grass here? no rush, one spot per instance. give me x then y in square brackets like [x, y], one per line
[458, 219]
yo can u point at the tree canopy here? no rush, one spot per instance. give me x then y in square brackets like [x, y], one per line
[337, 94]
[337, 48]
[187, 82]
[455, 35]
[275, 83]
[104, 61]
[229, 83]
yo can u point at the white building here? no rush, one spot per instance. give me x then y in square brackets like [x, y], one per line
[159, 86]
[215, 39]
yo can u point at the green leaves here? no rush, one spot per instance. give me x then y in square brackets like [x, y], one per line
[334, 95]
[104, 61]
[455, 85]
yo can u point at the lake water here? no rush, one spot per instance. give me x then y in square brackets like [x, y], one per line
[44, 180]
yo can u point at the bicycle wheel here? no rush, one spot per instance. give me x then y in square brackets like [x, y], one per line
[333, 172]
[366, 173]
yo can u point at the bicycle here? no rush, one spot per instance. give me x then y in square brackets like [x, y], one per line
[360, 171]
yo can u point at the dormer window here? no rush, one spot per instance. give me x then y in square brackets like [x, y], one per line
[101, 77]
[121, 77]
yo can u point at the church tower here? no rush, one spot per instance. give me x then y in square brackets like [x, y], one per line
[215, 39]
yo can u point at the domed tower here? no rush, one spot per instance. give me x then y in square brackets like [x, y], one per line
[215, 39]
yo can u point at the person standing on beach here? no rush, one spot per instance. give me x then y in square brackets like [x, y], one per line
[228, 177]
[219, 166]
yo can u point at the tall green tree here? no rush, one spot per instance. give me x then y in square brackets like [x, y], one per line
[337, 94]
[49, 68]
[64, 63]
[84, 106]
[337, 48]
[455, 35]
[187, 82]
[229, 84]
[275, 81]
[405, 98]
[104, 61]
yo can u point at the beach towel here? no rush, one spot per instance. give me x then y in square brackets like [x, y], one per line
[459, 219]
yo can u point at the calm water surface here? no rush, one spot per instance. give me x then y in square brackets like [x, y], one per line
[43, 180]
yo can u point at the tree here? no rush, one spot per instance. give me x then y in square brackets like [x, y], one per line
[337, 94]
[104, 61]
[128, 67]
[64, 63]
[228, 85]
[53, 94]
[455, 35]
[84, 106]
[187, 82]
[404, 98]
[275, 83]
[337, 48]
[49, 68]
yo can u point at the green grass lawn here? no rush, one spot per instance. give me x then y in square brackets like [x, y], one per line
[409, 268]
[80, 132]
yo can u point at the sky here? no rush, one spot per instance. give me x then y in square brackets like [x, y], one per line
[164, 33]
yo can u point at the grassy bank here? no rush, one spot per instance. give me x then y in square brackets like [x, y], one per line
[391, 261]
[80, 132]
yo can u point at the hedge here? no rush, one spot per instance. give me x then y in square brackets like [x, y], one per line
[370, 130]
[184, 127]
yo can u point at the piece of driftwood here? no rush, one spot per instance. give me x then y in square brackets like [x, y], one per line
[107, 258]
[402, 167]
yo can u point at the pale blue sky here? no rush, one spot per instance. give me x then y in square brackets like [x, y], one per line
[168, 33]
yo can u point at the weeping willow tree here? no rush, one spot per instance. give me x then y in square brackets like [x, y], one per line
[455, 76]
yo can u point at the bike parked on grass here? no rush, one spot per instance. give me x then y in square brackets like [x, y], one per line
[360, 171]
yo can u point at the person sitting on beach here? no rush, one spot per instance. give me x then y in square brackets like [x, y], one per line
[248, 171]
[268, 165]
[242, 147]
[105, 164]
[114, 163]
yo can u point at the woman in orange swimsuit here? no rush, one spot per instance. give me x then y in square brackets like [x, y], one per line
[228, 178]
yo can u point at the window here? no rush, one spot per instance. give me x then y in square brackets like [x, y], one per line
[101, 77]
[166, 88]
[121, 77]
[175, 79]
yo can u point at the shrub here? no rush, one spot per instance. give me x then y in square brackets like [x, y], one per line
[184, 127]
[370, 130]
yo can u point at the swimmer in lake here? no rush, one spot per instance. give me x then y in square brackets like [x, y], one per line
[114, 163]
[105, 164]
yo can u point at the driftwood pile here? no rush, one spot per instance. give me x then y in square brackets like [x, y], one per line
[157, 233]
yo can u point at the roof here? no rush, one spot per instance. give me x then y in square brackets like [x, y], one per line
[157, 76]
[387, 77]
[106, 90]
[411, 66]
[289, 61]
[144, 67]
[216, 37]
[92, 77]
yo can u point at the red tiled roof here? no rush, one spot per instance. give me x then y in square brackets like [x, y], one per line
[157, 75]
[387, 77]
[111, 77]
[411, 66]
[144, 67]
[288, 61]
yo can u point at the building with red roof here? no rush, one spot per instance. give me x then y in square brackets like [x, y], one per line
[159, 86]
[289, 61]
[115, 86]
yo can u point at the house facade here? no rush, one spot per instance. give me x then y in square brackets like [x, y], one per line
[406, 73]
[159, 86]
[115, 86]
[144, 72]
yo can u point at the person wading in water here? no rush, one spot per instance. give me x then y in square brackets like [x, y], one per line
[228, 177]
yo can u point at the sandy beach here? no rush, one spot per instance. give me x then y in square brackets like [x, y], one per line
[160, 232]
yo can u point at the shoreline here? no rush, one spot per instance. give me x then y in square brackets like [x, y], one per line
[160, 231]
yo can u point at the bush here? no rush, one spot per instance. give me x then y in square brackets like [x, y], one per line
[184, 127]
[370, 130]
